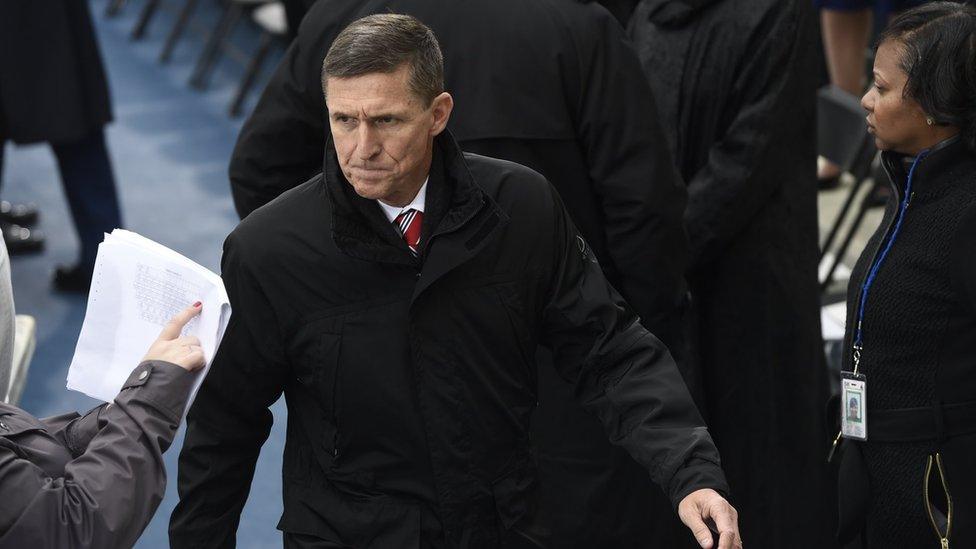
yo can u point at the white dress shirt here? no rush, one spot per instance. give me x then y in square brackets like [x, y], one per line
[392, 212]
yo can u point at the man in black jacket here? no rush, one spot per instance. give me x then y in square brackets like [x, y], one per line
[557, 89]
[397, 299]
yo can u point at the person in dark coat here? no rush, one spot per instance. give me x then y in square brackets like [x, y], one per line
[912, 296]
[557, 89]
[735, 85]
[397, 299]
[94, 481]
[53, 89]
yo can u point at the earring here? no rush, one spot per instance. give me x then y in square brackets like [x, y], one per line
[929, 120]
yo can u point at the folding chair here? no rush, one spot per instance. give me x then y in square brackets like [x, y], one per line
[182, 21]
[217, 41]
[25, 340]
[149, 10]
[274, 26]
[842, 138]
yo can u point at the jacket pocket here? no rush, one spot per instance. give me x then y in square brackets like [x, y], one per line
[938, 499]
[318, 373]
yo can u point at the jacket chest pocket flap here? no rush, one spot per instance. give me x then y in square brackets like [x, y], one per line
[316, 362]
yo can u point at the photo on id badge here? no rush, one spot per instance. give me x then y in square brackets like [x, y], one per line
[853, 413]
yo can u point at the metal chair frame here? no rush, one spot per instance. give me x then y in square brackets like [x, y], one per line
[844, 140]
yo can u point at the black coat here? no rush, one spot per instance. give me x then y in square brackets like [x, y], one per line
[52, 84]
[919, 356]
[92, 481]
[557, 89]
[735, 84]
[410, 382]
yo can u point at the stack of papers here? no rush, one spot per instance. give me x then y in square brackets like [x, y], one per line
[138, 286]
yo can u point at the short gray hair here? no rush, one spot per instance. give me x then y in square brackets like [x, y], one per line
[381, 44]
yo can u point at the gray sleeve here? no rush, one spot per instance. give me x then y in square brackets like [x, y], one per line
[7, 323]
[110, 491]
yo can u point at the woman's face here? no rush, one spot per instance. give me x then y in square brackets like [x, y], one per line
[897, 122]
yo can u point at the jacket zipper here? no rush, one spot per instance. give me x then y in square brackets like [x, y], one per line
[874, 256]
[943, 539]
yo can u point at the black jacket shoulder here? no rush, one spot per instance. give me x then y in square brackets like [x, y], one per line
[302, 209]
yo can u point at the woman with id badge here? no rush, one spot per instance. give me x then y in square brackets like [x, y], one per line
[908, 400]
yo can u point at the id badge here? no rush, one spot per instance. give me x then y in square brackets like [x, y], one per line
[853, 406]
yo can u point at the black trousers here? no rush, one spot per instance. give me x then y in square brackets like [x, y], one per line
[89, 186]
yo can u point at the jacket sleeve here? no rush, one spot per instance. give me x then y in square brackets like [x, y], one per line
[75, 431]
[623, 374]
[281, 144]
[642, 196]
[110, 491]
[229, 420]
[731, 188]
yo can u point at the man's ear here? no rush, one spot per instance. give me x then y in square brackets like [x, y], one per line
[441, 108]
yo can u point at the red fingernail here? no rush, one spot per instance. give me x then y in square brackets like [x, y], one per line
[197, 304]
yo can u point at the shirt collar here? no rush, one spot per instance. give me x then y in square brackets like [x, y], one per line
[392, 212]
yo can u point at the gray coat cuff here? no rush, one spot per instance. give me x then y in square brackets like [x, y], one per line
[163, 384]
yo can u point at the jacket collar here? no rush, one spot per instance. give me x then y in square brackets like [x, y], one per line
[459, 221]
[943, 160]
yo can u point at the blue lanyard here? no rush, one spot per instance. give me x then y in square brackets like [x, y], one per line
[873, 273]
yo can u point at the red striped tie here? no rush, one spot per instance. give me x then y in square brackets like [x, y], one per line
[408, 223]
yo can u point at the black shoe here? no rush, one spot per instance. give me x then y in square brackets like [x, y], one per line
[21, 240]
[19, 214]
[76, 278]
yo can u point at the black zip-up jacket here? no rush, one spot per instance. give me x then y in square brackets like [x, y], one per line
[918, 353]
[560, 90]
[410, 382]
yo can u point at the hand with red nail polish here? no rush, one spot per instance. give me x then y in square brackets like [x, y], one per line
[183, 351]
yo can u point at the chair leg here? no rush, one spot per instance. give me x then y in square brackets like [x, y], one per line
[214, 44]
[177, 31]
[146, 15]
[250, 75]
[841, 216]
[846, 243]
[114, 7]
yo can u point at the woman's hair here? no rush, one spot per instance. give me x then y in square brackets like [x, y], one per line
[939, 57]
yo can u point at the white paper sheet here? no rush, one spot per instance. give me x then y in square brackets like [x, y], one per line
[138, 285]
[833, 319]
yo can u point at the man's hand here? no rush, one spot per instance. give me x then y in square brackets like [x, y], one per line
[185, 352]
[704, 511]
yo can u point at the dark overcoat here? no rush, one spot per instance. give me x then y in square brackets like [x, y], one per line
[91, 481]
[52, 83]
[558, 89]
[918, 353]
[410, 381]
[735, 84]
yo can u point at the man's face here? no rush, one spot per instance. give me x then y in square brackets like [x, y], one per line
[384, 133]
